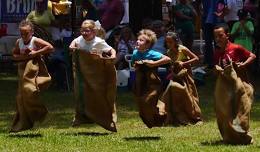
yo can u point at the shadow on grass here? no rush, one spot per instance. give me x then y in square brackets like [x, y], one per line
[219, 143]
[30, 135]
[147, 138]
[94, 134]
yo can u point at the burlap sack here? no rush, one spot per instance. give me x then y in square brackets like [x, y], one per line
[180, 99]
[33, 78]
[147, 90]
[95, 90]
[233, 99]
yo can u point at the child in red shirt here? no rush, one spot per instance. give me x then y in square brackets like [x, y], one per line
[226, 49]
[233, 94]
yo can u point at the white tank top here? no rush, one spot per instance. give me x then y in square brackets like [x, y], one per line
[23, 47]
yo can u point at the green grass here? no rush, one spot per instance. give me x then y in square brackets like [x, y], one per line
[56, 133]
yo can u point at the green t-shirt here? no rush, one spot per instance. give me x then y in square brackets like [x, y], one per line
[242, 37]
[184, 24]
[43, 20]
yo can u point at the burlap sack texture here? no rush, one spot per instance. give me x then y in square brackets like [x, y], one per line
[233, 99]
[147, 90]
[95, 90]
[180, 99]
[33, 78]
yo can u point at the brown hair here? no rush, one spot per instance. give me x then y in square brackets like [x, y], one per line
[173, 36]
[24, 23]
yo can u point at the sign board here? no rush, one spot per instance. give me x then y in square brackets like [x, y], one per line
[13, 11]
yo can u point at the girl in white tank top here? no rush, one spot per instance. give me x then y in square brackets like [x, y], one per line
[24, 47]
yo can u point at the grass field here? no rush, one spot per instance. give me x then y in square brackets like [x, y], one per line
[55, 134]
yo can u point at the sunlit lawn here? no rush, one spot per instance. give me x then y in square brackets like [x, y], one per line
[56, 133]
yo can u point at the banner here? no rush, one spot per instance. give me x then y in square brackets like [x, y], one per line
[13, 11]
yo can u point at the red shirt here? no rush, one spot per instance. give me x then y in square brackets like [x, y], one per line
[234, 52]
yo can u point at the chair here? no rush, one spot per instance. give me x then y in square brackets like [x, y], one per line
[128, 60]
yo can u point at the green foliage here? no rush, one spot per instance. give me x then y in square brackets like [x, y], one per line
[56, 133]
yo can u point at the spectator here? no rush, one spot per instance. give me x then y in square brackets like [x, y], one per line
[220, 11]
[232, 7]
[113, 38]
[185, 13]
[243, 30]
[159, 29]
[147, 23]
[197, 4]
[125, 46]
[42, 18]
[89, 10]
[111, 13]
[251, 7]
[208, 23]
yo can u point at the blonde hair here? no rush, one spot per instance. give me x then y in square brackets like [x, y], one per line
[149, 36]
[100, 32]
[89, 24]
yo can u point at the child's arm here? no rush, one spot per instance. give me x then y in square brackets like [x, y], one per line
[73, 45]
[43, 47]
[248, 61]
[113, 53]
[16, 54]
[193, 58]
[163, 60]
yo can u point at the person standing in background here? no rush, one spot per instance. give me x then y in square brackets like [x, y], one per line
[251, 7]
[185, 13]
[89, 11]
[243, 30]
[231, 15]
[42, 18]
[208, 23]
[159, 28]
[111, 13]
[125, 46]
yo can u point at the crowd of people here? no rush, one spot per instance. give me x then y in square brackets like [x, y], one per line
[95, 60]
